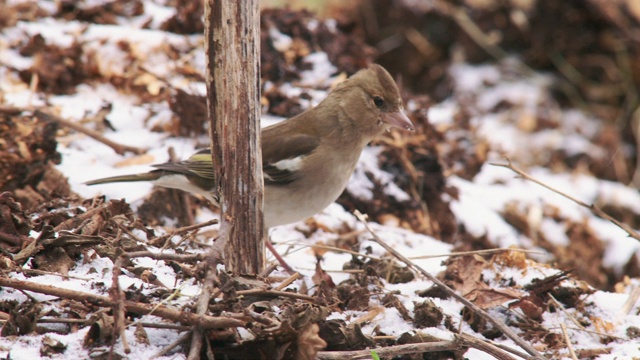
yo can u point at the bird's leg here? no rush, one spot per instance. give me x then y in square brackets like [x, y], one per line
[278, 257]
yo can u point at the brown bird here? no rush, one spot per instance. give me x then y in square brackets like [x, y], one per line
[307, 159]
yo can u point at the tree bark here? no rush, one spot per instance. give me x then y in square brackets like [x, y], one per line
[233, 84]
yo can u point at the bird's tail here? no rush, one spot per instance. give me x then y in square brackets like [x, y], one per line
[150, 176]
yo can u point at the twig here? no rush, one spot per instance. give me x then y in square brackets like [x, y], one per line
[480, 252]
[213, 258]
[117, 296]
[477, 310]
[268, 270]
[629, 304]
[336, 249]
[594, 209]
[12, 239]
[168, 348]
[202, 305]
[162, 238]
[278, 257]
[508, 349]
[87, 321]
[42, 272]
[288, 281]
[276, 293]
[461, 17]
[600, 334]
[567, 341]
[470, 341]
[460, 342]
[390, 351]
[262, 319]
[203, 321]
[164, 256]
[559, 305]
[118, 148]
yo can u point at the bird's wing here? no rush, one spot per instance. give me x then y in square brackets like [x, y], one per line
[282, 156]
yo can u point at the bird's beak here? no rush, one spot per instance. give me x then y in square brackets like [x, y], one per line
[398, 119]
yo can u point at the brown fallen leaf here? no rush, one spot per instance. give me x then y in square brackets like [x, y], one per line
[309, 342]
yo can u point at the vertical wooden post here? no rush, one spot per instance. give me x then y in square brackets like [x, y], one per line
[232, 41]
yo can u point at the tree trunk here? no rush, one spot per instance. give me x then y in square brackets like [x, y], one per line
[233, 84]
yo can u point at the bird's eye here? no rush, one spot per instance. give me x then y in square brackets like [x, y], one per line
[378, 101]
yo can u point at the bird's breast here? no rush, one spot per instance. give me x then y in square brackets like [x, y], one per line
[321, 185]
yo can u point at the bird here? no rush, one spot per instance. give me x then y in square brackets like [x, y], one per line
[307, 159]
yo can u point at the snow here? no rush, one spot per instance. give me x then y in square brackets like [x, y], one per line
[361, 186]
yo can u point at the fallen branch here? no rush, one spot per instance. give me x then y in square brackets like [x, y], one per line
[391, 351]
[214, 256]
[460, 342]
[473, 307]
[118, 308]
[594, 209]
[475, 252]
[173, 345]
[567, 341]
[120, 149]
[276, 293]
[161, 240]
[203, 321]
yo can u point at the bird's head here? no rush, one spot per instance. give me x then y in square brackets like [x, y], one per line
[371, 100]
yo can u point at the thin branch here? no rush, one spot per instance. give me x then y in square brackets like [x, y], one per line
[277, 293]
[118, 148]
[169, 347]
[473, 307]
[213, 257]
[118, 297]
[335, 249]
[630, 303]
[204, 321]
[390, 351]
[164, 256]
[474, 252]
[567, 341]
[160, 240]
[460, 342]
[594, 209]
[288, 281]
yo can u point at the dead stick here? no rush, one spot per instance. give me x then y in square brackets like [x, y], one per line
[183, 229]
[594, 209]
[477, 310]
[472, 342]
[117, 296]
[567, 340]
[12, 239]
[164, 256]
[202, 305]
[174, 344]
[288, 281]
[213, 258]
[118, 148]
[391, 350]
[276, 293]
[70, 223]
[203, 321]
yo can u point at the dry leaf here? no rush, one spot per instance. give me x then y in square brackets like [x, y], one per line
[309, 342]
